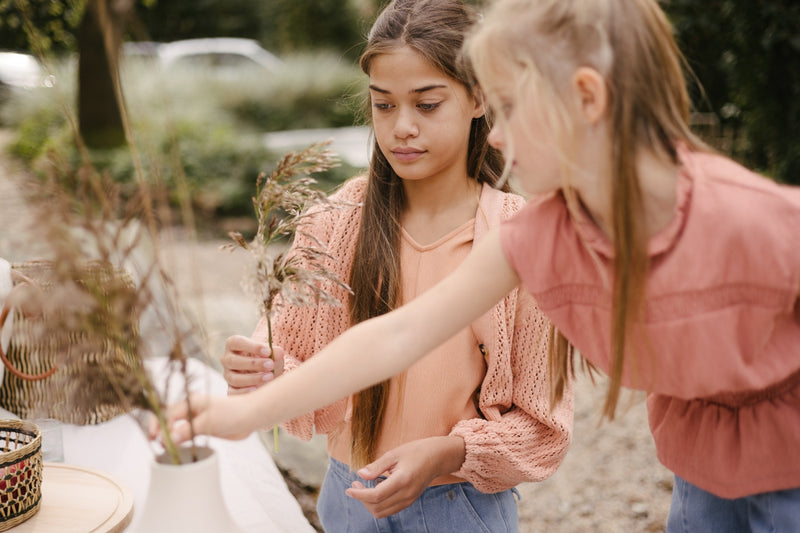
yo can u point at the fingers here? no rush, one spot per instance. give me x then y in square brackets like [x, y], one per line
[370, 495]
[247, 364]
[384, 463]
[385, 499]
[211, 415]
[239, 382]
[178, 414]
[245, 355]
[181, 431]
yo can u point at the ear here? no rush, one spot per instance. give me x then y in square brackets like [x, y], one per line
[479, 109]
[591, 94]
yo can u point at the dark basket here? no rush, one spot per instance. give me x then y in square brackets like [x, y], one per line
[20, 471]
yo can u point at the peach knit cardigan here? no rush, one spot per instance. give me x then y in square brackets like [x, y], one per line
[520, 439]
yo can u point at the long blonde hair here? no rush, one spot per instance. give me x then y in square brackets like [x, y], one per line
[630, 43]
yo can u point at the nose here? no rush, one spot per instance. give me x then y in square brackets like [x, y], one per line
[496, 138]
[405, 124]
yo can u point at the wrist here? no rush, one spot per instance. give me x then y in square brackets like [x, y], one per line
[252, 411]
[451, 454]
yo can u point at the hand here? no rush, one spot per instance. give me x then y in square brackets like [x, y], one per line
[408, 469]
[218, 416]
[247, 364]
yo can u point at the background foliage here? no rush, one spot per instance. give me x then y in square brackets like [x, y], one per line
[210, 132]
[56, 20]
[746, 56]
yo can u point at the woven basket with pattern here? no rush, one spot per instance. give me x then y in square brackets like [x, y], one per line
[20, 471]
[41, 371]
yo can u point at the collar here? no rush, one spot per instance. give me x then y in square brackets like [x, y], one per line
[665, 239]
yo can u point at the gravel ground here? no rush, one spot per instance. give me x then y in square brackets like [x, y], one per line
[609, 482]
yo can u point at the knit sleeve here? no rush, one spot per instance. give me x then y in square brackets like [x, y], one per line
[304, 330]
[520, 439]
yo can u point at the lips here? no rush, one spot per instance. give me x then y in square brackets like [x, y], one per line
[407, 154]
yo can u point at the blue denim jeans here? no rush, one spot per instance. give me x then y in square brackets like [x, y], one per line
[455, 507]
[694, 510]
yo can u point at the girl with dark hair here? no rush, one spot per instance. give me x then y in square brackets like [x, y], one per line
[670, 267]
[443, 443]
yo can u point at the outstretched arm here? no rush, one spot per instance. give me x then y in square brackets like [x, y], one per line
[346, 365]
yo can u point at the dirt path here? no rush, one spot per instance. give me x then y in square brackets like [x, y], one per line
[610, 481]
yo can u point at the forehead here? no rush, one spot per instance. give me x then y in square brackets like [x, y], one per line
[403, 69]
[499, 78]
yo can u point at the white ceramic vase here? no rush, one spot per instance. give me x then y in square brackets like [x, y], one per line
[186, 497]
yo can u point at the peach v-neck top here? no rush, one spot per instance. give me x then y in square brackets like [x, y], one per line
[440, 389]
[722, 319]
[516, 437]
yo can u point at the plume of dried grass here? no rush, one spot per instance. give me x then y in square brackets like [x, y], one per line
[284, 203]
[89, 233]
[92, 303]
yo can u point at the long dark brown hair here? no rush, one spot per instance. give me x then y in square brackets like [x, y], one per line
[435, 29]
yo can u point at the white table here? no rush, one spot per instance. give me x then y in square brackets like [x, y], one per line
[254, 490]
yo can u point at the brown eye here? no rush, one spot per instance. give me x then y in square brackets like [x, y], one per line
[428, 107]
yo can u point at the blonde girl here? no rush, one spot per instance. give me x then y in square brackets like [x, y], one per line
[452, 435]
[671, 268]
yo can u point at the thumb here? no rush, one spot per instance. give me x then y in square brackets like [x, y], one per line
[278, 357]
[180, 431]
[384, 463]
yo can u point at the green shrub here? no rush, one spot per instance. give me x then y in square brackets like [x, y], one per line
[309, 91]
[186, 125]
[747, 58]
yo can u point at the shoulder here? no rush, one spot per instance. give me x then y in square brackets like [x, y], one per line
[727, 184]
[499, 205]
[351, 190]
[338, 221]
[740, 226]
[346, 199]
[541, 238]
[538, 212]
[752, 205]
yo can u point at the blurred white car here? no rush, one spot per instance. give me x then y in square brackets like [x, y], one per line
[22, 71]
[217, 53]
[223, 58]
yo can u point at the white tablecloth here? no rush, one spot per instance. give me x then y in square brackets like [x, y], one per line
[254, 489]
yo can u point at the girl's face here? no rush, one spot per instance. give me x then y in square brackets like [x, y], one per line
[421, 116]
[520, 133]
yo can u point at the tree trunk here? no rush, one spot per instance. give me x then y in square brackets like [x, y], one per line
[100, 104]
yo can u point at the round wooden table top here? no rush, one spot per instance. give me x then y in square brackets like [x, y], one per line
[76, 499]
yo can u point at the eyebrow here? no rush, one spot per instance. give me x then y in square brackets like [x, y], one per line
[414, 91]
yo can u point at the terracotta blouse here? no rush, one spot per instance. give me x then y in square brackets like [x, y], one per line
[721, 351]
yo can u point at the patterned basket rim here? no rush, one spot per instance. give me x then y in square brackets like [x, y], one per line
[13, 457]
[27, 450]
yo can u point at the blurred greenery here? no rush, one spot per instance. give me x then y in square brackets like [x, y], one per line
[186, 122]
[210, 130]
[313, 90]
[746, 56]
[56, 20]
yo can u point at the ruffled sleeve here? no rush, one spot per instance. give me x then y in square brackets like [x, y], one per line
[519, 439]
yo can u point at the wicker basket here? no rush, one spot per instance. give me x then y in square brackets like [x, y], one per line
[20, 471]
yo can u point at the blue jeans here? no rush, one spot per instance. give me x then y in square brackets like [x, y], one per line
[455, 507]
[695, 510]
